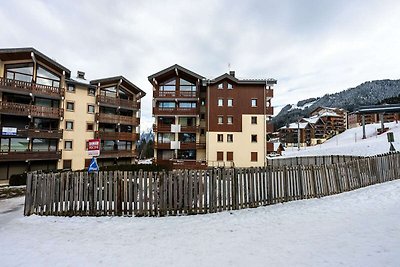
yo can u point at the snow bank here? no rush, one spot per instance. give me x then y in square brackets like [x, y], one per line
[359, 228]
[350, 142]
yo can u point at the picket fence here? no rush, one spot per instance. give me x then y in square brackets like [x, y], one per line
[187, 192]
[311, 160]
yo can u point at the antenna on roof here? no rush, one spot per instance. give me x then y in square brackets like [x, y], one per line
[229, 66]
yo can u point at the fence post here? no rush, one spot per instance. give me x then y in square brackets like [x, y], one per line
[235, 191]
[119, 193]
[28, 195]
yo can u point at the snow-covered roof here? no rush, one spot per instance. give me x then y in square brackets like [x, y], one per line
[312, 119]
[328, 114]
[276, 146]
[295, 125]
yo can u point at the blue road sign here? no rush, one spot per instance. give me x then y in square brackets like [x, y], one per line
[93, 167]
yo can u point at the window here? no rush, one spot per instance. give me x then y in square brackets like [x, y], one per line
[90, 109]
[67, 164]
[220, 137]
[254, 102]
[68, 144]
[70, 106]
[220, 156]
[229, 138]
[230, 102]
[187, 104]
[91, 91]
[202, 132]
[254, 138]
[202, 102]
[47, 77]
[220, 119]
[69, 125]
[186, 85]
[220, 102]
[230, 86]
[220, 86]
[20, 72]
[229, 120]
[254, 156]
[229, 156]
[166, 105]
[202, 116]
[71, 88]
[44, 144]
[89, 127]
[253, 120]
[169, 85]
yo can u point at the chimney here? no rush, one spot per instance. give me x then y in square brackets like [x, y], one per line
[232, 73]
[80, 74]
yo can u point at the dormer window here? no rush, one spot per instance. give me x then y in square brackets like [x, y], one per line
[80, 75]
[230, 86]
[220, 86]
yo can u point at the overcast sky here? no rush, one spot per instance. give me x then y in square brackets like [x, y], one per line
[310, 47]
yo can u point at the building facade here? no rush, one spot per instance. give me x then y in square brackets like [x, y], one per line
[202, 123]
[47, 117]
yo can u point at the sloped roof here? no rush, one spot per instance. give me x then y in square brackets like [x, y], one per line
[174, 68]
[125, 82]
[295, 125]
[25, 53]
[312, 119]
[239, 81]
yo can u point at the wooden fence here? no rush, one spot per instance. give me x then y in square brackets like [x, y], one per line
[311, 160]
[197, 191]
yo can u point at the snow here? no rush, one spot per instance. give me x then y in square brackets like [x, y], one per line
[350, 142]
[358, 228]
[296, 125]
[307, 105]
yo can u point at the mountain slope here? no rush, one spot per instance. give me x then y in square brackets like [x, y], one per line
[367, 93]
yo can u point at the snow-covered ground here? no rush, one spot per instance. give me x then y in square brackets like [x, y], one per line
[358, 228]
[350, 142]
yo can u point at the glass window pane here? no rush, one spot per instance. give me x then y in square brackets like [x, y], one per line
[19, 144]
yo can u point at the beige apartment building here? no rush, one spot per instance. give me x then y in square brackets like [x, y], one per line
[47, 115]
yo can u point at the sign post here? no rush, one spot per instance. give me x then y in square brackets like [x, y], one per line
[94, 151]
[390, 138]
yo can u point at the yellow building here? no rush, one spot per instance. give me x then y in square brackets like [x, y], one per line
[47, 117]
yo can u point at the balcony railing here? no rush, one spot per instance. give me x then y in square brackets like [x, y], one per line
[16, 86]
[177, 111]
[161, 128]
[29, 155]
[117, 136]
[115, 118]
[269, 111]
[117, 154]
[30, 110]
[176, 94]
[270, 147]
[190, 129]
[269, 93]
[270, 127]
[39, 133]
[117, 102]
[159, 145]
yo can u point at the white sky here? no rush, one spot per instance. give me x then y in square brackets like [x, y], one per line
[310, 47]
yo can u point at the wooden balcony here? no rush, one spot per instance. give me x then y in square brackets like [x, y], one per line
[189, 129]
[161, 128]
[270, 127]
[158, 145]
[21, 87]
[29, 155]
[185, 146]
[270, 147]
[269, 111]
[39, 133]
[30, 110]
[117, 136]
[117, 102]
[117, 154]
[115, 119]
[175, 111]
[175, 94]
[269, 93]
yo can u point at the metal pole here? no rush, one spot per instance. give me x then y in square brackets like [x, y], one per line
[298, 135]
[363, 126]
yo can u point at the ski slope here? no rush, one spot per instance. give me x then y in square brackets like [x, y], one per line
[350, 142]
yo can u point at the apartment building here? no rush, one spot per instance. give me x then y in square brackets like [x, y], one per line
[203, 122]
[46, 117]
